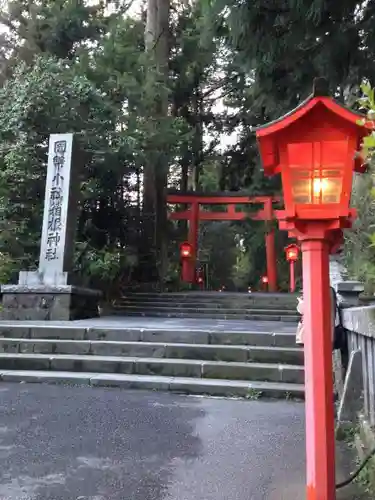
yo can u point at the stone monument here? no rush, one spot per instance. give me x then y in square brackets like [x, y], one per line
[51, 292]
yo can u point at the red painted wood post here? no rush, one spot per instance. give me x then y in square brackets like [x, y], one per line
[271, 260]
[320, 433]
[292, 276]
[193, 238]
[270, 248]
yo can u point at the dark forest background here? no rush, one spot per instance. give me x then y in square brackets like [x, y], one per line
[165, 94]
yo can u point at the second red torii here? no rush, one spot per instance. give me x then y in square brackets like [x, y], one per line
[194, 215]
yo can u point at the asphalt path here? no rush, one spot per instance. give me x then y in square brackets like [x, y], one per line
[82, 443]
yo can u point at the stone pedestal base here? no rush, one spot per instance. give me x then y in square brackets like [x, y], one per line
[349, 292]
[49, 303]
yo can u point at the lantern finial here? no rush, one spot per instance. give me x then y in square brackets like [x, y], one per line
[320, 87]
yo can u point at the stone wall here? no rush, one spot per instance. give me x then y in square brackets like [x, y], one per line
[360, 320]
[360, 325]
[64, 303]
[357, 402]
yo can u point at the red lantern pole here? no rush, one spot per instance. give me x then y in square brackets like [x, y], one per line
[320, 435]
[185, 270]
[265, 283]
[292, 276]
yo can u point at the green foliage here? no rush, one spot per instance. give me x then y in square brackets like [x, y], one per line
[67, 83]
[359, 248]
[9, 268]
[273, 50]
[209, 177]
[276, 49]
[236, 254]
[105, 269]
[241, 270]
[70, 66]
[34, 101]
[218, 248]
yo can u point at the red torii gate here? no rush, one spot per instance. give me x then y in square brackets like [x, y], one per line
[194, 215]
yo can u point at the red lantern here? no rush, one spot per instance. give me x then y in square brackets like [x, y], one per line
[187, 265]
[314, 148]
[186, 250]
[265, 281]
[292, 252]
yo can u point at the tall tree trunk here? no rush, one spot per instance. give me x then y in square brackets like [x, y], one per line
[156, 166]
[197, 146]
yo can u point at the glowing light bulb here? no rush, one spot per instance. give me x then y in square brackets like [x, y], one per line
[319, 186]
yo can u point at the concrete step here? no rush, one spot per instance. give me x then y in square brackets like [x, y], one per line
[154, 366]
[202, 304]
[212, 295]
[181, 313]
[213, 387]
[236, 353]
[266, 301]
[159, 335]
[205, 310]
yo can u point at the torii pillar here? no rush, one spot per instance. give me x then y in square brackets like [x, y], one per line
[270, 248]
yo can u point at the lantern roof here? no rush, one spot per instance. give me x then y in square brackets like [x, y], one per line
[291, 245]
[320, 94]
[269, 133]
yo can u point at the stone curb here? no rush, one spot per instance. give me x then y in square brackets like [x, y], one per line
[206, 352]
[149, 335]
[250, 390]
[168, 367]
[205, 308]
[144, 313]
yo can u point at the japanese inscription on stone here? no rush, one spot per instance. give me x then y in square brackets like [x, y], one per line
[56, 203]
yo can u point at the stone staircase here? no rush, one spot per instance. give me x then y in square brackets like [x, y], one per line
[213, 305]
[229, 360]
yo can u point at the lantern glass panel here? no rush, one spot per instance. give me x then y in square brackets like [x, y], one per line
[185, 250]
[316, 186]
[317, 171]
[292, 255]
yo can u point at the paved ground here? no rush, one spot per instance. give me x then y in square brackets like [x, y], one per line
[192, 324]
[70, 443]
